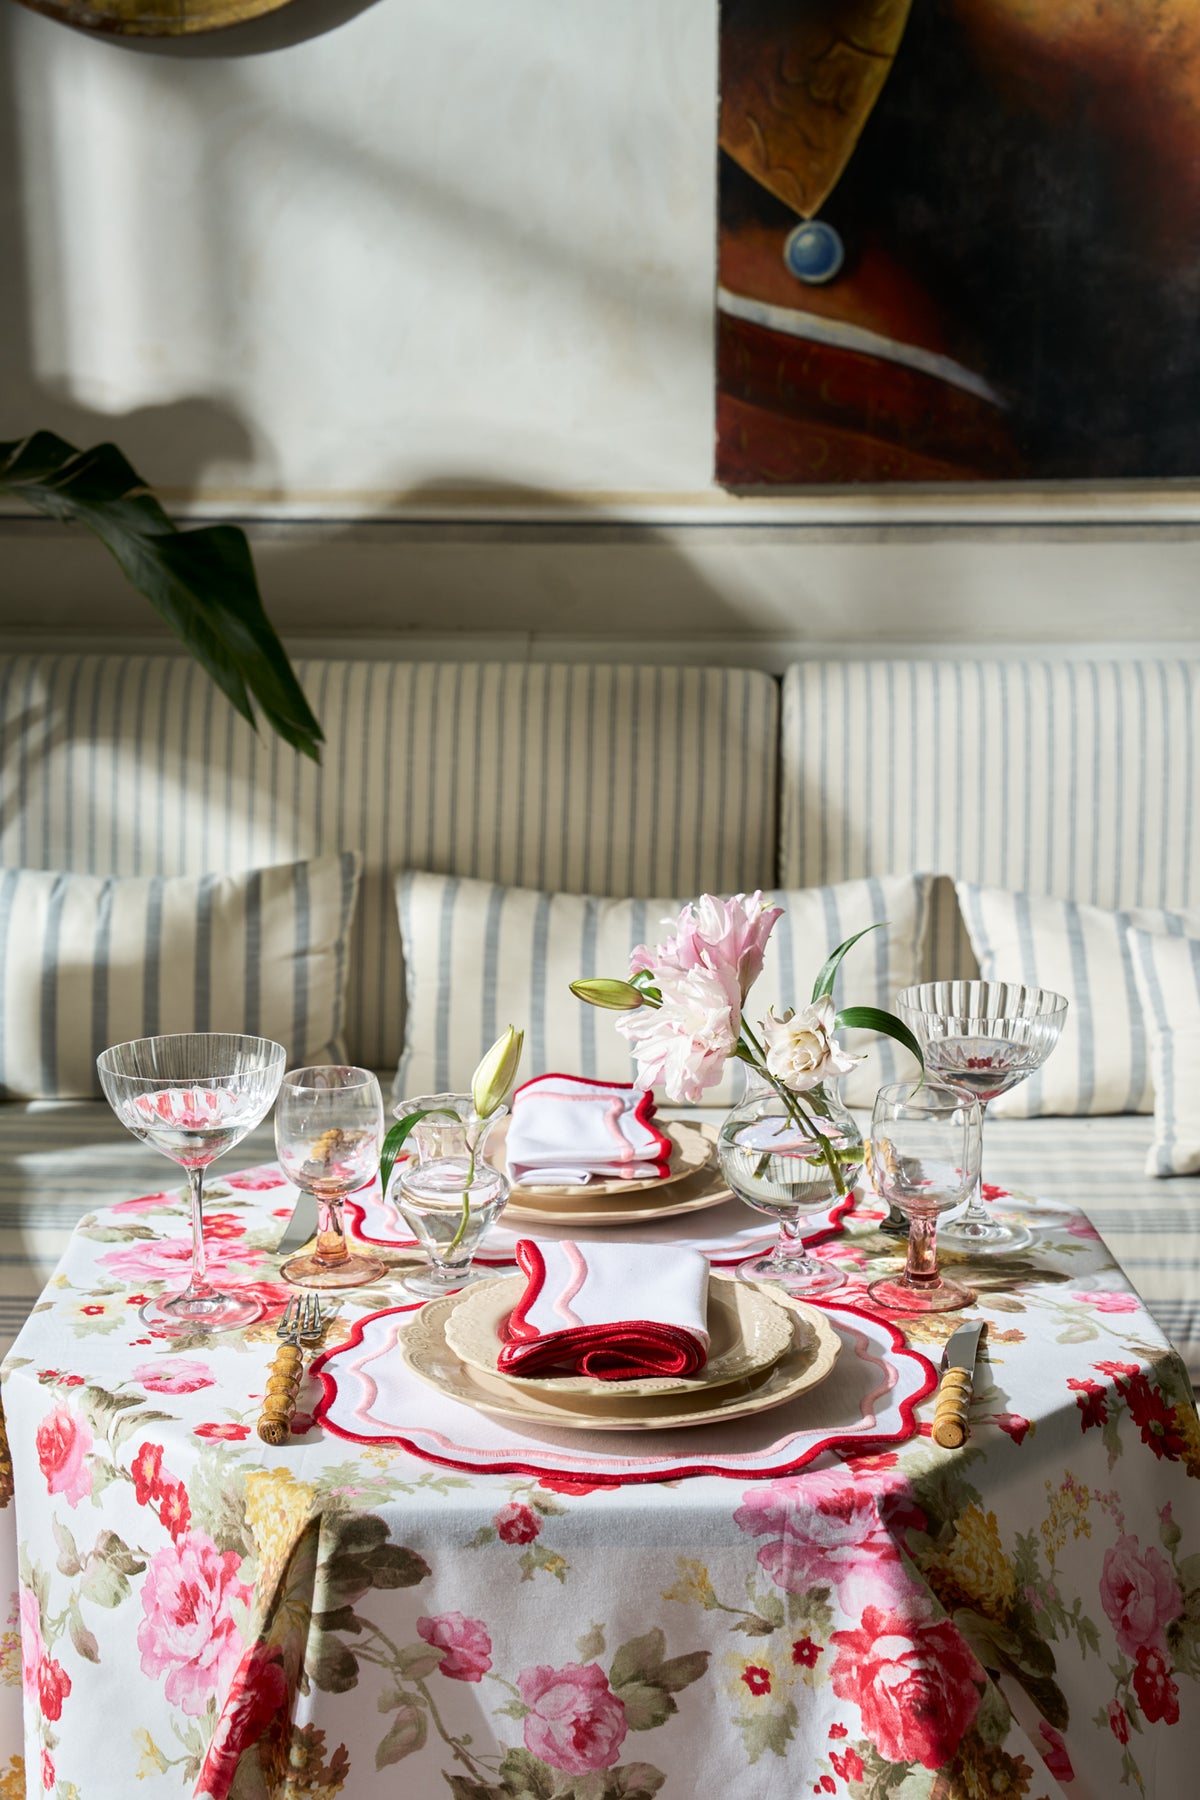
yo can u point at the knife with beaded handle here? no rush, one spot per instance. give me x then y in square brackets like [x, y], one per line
[953, 1405]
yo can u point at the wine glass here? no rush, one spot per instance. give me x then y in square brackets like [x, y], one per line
[329, 1132]
[924, 1156]
[772, 1158]
[194, 1095]
[448, 1193]
[982, 1038]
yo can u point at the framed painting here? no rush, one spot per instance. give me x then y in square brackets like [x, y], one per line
[959, 241]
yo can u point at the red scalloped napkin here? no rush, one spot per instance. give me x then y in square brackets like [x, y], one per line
[613, 1311]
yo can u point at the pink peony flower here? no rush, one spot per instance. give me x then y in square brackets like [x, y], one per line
[801, 1048]
[833, 1532]
[63, 1442]
[466, 1643]
[1139, 1594]
[188, 1633]
[1054, 1753]
[684, 1043]
[185, 1376]
[725, 935]
[914, 1681]
[1108, 1300]
[257, 1181]
[257, 1694]
[575, 1723]
[163, 1259]
[517, 1524]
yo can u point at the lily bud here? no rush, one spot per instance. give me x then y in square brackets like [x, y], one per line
[617, 996]
[492, 1081]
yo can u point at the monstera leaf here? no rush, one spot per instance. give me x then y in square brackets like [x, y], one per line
[201, 582]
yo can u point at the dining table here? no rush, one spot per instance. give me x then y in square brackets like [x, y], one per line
[410, 1596]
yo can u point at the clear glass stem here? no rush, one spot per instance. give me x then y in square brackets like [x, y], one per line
[199, 1287]
[921, 1267]
[977, 1212]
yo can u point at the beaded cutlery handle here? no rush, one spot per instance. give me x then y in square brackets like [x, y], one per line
[950, 1413]
[301, 1320]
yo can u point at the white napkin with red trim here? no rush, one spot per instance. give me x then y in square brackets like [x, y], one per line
[567, 1130]
[615, 1311]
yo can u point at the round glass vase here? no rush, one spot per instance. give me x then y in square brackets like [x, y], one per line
[447, 1192]
[791, 1156]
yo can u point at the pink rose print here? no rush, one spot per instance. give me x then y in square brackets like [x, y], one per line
[1139, 1594]
[145, 1203]
[1016, 1425]
[256, 1181]
[162, 1259]
[63, 1442]
[832, 1531]
[185, 1376]
[188, 1634]
[1054, 1753]
[914, 1681]
[54, 1685]
[466, 1643]
[1109, 1300]
[1083, 1228]
[48, 1775]
[227, 1433]
[1157, 1694]
[517, 1524]
[1118, 1720]
[257, 1693]
[576, 1722]
[32, 1647]
[756, 1679]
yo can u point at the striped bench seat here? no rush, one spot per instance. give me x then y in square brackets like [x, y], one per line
[60, 1159]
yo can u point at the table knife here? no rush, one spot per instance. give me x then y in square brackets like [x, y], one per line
[953, 1404]
[301, 1226]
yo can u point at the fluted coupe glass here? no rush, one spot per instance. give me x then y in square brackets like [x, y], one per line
[194, 1095]
[329, 1132]
[981, 1038]
[924, 1156]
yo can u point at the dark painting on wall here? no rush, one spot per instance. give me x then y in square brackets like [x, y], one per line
[959, 240]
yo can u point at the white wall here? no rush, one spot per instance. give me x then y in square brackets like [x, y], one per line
[449, 269]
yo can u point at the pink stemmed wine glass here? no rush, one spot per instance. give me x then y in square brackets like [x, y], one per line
[924, 1156]
[194, 1095]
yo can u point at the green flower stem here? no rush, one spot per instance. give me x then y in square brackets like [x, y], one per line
[758, 1061]
[457, 1239]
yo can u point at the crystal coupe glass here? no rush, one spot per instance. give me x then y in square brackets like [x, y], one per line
[194, 1095]
[924, 1155]
[981, 1038]
[328, 1132]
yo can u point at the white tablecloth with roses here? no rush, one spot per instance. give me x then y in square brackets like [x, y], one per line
[194, 1613]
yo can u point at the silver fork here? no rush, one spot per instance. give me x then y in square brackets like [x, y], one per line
[302, 1323]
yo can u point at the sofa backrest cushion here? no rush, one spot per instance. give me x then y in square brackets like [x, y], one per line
[1074, 779]
[594, 779]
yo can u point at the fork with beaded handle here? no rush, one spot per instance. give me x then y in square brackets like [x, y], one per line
[302, 1323]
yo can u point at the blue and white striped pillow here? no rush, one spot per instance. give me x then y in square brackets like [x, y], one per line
[92, 960]
[1102, 1061]
[1167, 971]
[479, 957]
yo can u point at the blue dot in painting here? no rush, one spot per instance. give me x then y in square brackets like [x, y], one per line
[813, 252]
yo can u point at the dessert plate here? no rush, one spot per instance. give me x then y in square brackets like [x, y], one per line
[692, 1150]
[626, 1202]
[748, 1332]
[810, 1356]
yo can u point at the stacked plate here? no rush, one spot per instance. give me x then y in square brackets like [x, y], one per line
[693, 1181]
[765, 1349]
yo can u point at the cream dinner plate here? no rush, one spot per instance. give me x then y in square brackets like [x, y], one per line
[748, 1333]
[692, 1148]
[808, 1359]
[627, 1202]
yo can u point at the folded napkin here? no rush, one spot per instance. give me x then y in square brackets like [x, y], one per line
[615, 1311]
[567, 1130]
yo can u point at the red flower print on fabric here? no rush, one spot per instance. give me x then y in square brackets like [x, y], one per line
[222, 1433]
[758, 1680]
[1118, 1720]
[849, 1766]
[915, 1682]
[516, 1523]
[1054, 1753]
[146, 1468]
[1015, 1424]
[257, 1694]
[575, 1722]
[1091, 1399]
[805, 1654]
[1157, 1694]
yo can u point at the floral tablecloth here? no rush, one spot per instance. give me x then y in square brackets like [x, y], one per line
[193, 1613]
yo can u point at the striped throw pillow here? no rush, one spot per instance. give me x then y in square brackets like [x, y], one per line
[1101, 1063]
[480, 957]
[1167, 971]
[92, 960]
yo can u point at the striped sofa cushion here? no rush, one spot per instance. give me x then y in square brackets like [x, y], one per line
[1167, 971]
[92, 960]
[480, 957]
[1076, 779]
[596, 779]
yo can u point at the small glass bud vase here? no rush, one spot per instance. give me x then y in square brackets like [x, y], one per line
[447, 1193]
[791, 1156]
